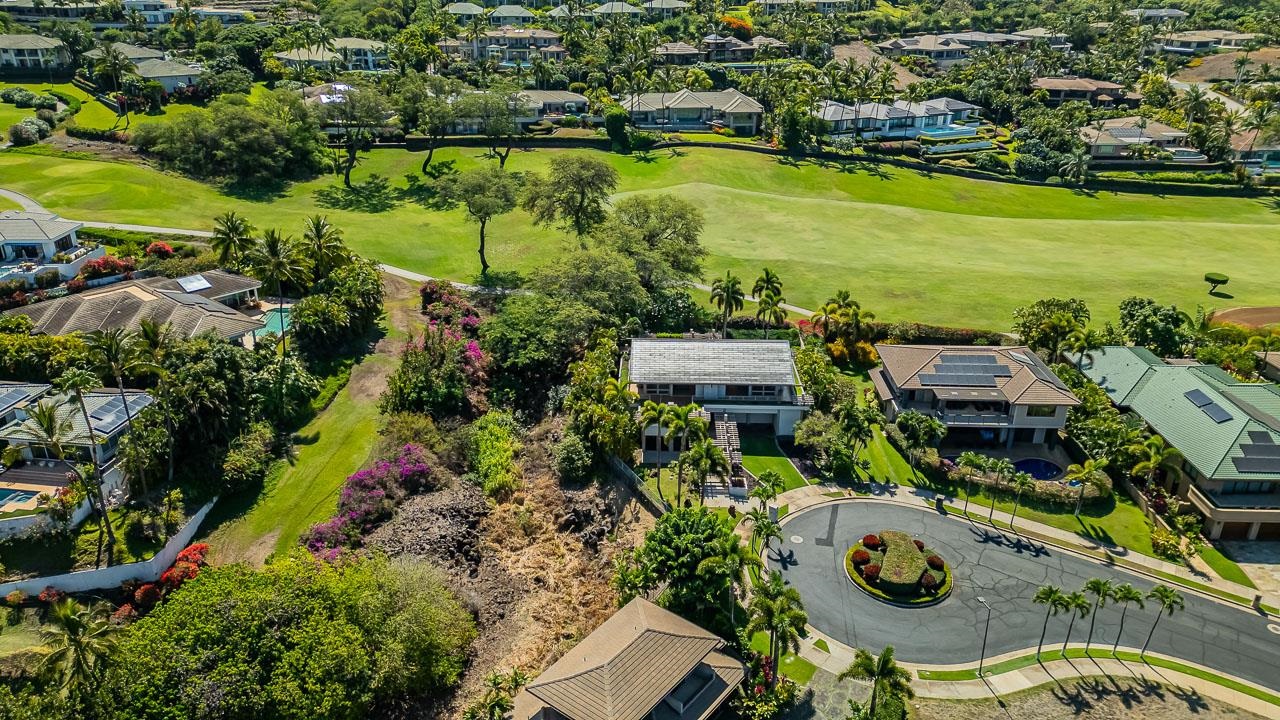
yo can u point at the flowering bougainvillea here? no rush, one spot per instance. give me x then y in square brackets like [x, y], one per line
[159, 249]
[51, 595]
[147, 595]
[106, 266]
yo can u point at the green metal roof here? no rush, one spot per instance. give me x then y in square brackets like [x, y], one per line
[1136, 379]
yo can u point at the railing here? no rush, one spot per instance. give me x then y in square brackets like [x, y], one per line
[983, 419]
[800, 400]
[1213, 506]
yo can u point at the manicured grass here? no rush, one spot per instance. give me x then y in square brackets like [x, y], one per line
[911, 246]
[822, 645]
[23, 635]
[335, 444]
[11, 115]
[1025, 661]
[1224, 566]
[760, 453]
[793, 666]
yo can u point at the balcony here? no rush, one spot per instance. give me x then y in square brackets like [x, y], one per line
[71, 262]
[799, 401]
[1245, 507]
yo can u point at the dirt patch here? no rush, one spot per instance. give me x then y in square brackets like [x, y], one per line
[98, 148]
[1222, 65]
[1253, 317]
[257, 553]
[1087, 699]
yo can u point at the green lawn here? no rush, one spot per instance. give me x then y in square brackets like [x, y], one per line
[761, 453]
[12, 115]
[931, 248]
[1224, 566]
[94, 114]
[793, 666]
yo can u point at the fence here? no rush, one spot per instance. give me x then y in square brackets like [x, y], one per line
[644, 495]
[110, 577]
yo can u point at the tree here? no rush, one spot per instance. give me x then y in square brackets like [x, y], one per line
[1170, 601]
[486, 192]
[232, 237]
[670, 557]
[660, 233]
[1082, 342]
[1000, 467]
[767, 282]
[1054, 602]
[1125, 595]
[277, 259]
[436, 118]
[730, 559]
[112, 62]
[769, 485]
[1159, 328]
[1029, 320]
[1076, 165]
[886, 677]
[763, 530]
[1265, 344]
[684, 425]
[575, 191]
[919, 431]
[705, 458]
[726, 294]
[1154, 456]
[323, 246]
[116, 353]
[1055, 331]
[79, 644]
[654, 414]
[78, 381]
[1086, 474]
[1102, 591]
[495, 111]
[1021, 483]
[974, 463]
[1076, 605]
[1215, 280]
[770, 310]
[776, 609]
[357, 114]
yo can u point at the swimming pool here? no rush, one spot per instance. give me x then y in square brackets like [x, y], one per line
[1039, 468]
[953, 131]
[14, 496]
[276, 321]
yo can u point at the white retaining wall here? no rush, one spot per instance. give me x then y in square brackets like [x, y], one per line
[110, 577]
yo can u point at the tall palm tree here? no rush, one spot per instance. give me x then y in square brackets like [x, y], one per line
[726, 294]
[1154, 455]
[1001, 467]
[277, 259]
[705, 458]
[730, 559]
[112, 63]
[887, 679]
[975, 462]
[1054, 602]
[768, 281]
[683, 425]
[1077, 605]
[1056, 329]
[776, 609]
[116, 353]
[78, 381]
[1102, 590]
[1124, 595]
[1086, 474]
[1021, 483]
[769, 485]
[1170, 602]
[763, 530]
[1081, 343]
[654, 414]
[769, 310]
[322, 243]
[79, 641]
[232, 237]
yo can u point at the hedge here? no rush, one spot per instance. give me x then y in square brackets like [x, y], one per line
[73, 104]
[85, 133]
[1171, 177]
[920, 333]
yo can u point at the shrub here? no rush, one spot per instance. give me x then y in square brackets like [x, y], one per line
[124, 614]
[935, 562]
[1166, 544]
[927, 581]
[903, 563]
[247, 460]
[573, 459]
[1216, 280]
[15, 598]
[871, 572]
[40, 127]
[106, 266]
[861, 557]
[159, 249]
[989, 162]
[492, 453]
[44, 102]
[51, 595]
[147, 595]
[21, 135]
[919, 545]
[615, 126]
[48, 278]
[871, 541]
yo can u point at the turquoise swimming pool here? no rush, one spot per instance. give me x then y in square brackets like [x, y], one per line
[14, 496]
[276, 321]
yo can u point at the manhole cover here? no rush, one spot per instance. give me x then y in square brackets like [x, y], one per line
[797, 539]
[1272, 627]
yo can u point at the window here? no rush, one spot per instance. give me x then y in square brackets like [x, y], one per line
[1041, 411]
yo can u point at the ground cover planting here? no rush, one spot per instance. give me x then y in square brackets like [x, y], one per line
[894, 567]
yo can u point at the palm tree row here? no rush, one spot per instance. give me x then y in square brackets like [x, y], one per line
[1078, 605]
[679, 426]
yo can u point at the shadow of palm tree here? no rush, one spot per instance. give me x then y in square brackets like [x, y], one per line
[374, 195]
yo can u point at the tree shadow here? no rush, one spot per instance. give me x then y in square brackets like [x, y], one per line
[255, 192]
[374, 195]
[424, 193]
[1223, 295]
[676, 152]
[499, 280]
[1084, 192]
[1073, 698]
[644, 156]
[1195, 703]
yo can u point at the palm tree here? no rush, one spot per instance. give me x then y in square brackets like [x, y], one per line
[776, 608]
[1155, 456]
[1102, 591]
[79, 641]
[726, 294]
[1170, 602]
[1078, 606]
[112, 62]
[887, 679]
[1086, 474]
[1001, 467]
[706, 458]
[975, 462]
[322, 243]
[1265, 344]
[116, 353]
[1076, 165]
[1056, 329]
[767, 282]
[654, 414]
[232, 237]
[731, 560]
[1082, 342]
[277, 259]
[78, 381]
[1021, 483]
[1054, 602]
[1125, 594]
[770, 311]
[683, 424]
[763, 530]
[769, 485]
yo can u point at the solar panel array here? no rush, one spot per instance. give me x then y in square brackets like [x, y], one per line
[9, 397]
[1257, 465]
[1260, 437]
[1216, 413]
[966, 370]
[956, 380]
[1197, 397]
[968, 359]
[111, 415]
[1262, 455]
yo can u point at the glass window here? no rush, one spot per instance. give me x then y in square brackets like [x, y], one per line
[1041, 411]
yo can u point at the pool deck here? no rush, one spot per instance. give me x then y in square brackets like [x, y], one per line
[32, 478]
[1020, 451]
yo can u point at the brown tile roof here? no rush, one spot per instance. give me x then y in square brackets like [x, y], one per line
[628, 667]
[220, 284]
[865, 54]
[1074, 83]
[1029, 380]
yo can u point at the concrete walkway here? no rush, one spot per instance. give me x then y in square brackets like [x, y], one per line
[752, 298]
[27, 203]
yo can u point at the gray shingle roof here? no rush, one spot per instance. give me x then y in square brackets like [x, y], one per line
[19, 225]
[711, 362]
[133, 52]
[221, 284]
[28, 42]
[164, 69]
[1024, 380]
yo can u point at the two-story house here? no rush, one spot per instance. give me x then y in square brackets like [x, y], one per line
[935, 48]
[1054, 39]
[35, 244]
[1068, 88]
[31, 52]
[509, 46]
[695, 110]
[511, 15]
[984, 395]
[751, 383]
[943, 116]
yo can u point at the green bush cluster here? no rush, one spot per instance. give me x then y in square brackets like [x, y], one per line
[902, 565]
[249, 458]
[1171, 177]
[492, 453]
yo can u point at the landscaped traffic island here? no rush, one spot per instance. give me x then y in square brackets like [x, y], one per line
[898, 569]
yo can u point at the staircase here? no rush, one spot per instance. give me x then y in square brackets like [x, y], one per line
[725, 436]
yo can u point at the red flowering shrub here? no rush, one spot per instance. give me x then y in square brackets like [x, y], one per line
[51, 595]
[15, 598]
[75, 285]
[871, 573]
[861, 557]
[935, 562]
[919, 545]
[159, 249]
[928, 581]
[178, 574]
[106, 266]
[147, 595]
[194, 554]
[871, 541]
[126, 613]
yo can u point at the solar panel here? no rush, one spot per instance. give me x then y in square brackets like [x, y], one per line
[1257, 465]
[969, 358]
[10, 397]
[108, 408]
[1261, 450]
[1261, 437]
[1197, 397]
[957, 379]
[1216, 413]
[193, 283]
[968, 369]
[1020, 357]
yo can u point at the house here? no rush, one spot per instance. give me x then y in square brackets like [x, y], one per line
[360, 53]
[171, 75]
[822, 7]
[230, 289]
[135, 53]
[1227, 431]
[864, 54]
[976, 39]
[464, 11]
[16, 396]
[550, 105]
[511, 46]
[126, 304]
[1055, 40]
[1157, 15]
[665, 9]
[938, 50]
[643, 663]
[695, 110]
[107, 416]
[154, 13]
[1269, 365]
[33, 245]
[984, 395]
[721, 49]
[1188, 43]
[1118, 138]
[677, 53]
[746, 382]
[1256, 151]
[902, 119]
[31, 52]
[1098, 93]
[510, 15]
[617, 8]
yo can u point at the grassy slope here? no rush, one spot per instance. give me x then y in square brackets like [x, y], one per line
[94, 114]
[931, 248]
[760, 453]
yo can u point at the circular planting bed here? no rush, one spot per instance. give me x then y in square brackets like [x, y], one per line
[895, 568]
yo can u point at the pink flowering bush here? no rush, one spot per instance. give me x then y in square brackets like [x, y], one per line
[441, 301]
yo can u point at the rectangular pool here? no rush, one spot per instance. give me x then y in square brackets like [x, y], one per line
[955, 131]
[276, 321]
[8, 496]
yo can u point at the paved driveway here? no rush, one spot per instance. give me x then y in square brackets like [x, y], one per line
[1006, 573]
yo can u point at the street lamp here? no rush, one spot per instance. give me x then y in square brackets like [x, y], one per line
[985, 629]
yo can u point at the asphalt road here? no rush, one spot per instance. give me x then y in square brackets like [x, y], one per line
[1007, 572]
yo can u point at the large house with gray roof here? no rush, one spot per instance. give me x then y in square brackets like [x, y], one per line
[643, 663]
[695, 110]
[903, 119]
[984, 395]
[34, 245]
[31, 52]
[1227, 431]
[942, 51]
